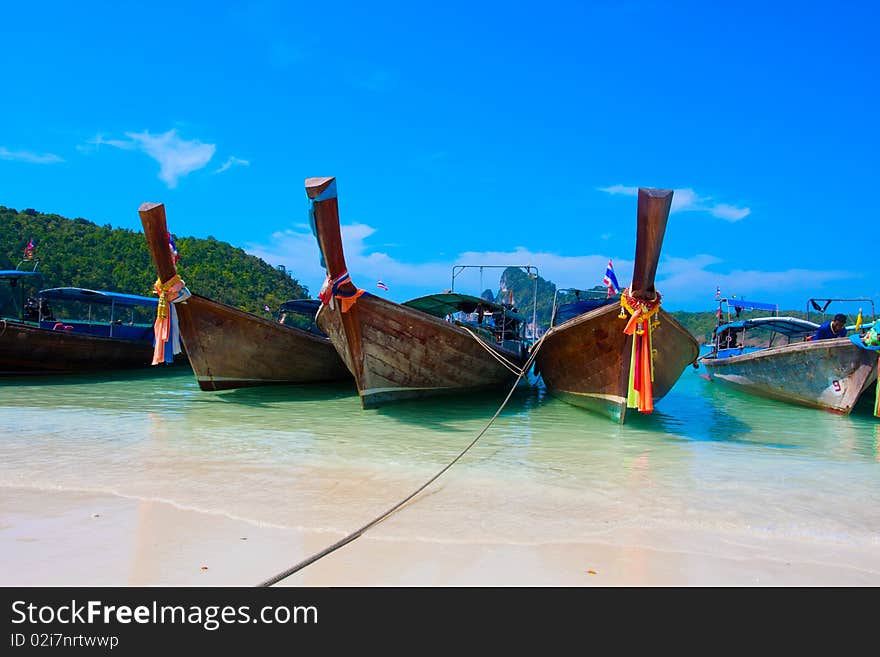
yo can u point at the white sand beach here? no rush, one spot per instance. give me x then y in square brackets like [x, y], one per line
[82, 539]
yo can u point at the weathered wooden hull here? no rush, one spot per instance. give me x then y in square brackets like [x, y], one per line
[230, 348]
[397, 353]
[826, 374]
[26, 349]
[586, 360]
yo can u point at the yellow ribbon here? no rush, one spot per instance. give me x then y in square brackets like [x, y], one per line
[640, 391]
[168, 292]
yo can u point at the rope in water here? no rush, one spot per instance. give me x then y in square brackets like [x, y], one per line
[358, 533]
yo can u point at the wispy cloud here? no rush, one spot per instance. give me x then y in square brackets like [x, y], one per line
[177, 157]
[233, 162]
[684, 282]
[691, 278]
[687, 200]
[27, 156]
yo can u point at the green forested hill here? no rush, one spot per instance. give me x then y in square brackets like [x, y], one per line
[79, 253]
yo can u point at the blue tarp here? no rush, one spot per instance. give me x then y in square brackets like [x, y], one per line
[301, 306]
[96, 296]
[16, 273]
[790, 326]
[568, 310]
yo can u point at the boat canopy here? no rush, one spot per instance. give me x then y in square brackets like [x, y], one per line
[789, 326]
[301, 306]
[15, 274]
[568, 310]
[96, 296]
[751, 305]
[447, 303]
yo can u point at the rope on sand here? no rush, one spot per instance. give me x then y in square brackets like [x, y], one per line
[358, 533]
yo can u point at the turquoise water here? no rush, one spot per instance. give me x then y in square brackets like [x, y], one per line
[708, 462]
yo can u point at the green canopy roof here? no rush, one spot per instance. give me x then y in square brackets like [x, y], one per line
[440, 305]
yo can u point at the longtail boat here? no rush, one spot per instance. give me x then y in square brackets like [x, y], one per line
[228, 347]
[406, 351]
[830, 374]
[44, 334]
[621, 355]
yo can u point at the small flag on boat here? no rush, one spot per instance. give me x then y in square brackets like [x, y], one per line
[381, 285]
[717, 292]
[29, 249]
[171, 245]
[611, 280]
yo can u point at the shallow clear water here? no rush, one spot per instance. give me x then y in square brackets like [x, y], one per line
[708, 460]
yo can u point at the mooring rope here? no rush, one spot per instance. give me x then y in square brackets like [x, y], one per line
[501, 359]
[358, 533]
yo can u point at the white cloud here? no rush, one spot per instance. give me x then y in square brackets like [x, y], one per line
[689, 279]
[684, 282]
[729, 212]
[297, 250]
[687, 200]
[26, 156]
[233, 162]
[176, 157]
[620, 189]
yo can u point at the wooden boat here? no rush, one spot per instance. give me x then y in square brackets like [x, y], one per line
[231, 348]
[616, 356]
[39, 340]
[828, 374]
[399, 351]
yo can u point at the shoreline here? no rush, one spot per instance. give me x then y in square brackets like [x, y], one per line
[73, 539]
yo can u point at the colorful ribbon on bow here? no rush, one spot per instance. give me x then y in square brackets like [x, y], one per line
[877, 390]
[640, 388]
[331, 290]
[166, 327]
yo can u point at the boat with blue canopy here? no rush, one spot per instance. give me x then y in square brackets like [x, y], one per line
[780, 358]
[71, 329]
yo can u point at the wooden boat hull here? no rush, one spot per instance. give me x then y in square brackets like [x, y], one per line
[27, 349]
[827, 374]
[585, 361]
[397, 353]
[230, 348]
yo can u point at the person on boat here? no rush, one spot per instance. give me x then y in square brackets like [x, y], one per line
[836, 328]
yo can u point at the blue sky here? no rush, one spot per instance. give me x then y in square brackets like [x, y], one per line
[467, 133]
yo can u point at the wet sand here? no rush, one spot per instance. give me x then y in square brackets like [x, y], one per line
[65, 538]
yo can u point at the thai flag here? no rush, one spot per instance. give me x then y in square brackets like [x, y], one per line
[610, 280]
[171, 245]
[29, 249]
[381, 285]
[718, 292]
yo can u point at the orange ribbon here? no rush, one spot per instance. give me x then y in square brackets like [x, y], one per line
[640, 388]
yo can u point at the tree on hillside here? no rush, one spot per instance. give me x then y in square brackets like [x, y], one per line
[79, 253]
